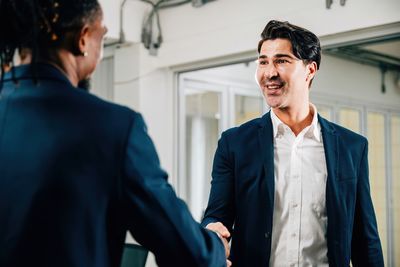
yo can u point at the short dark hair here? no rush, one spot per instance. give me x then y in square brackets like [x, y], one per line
[305, 44]
[38, 25]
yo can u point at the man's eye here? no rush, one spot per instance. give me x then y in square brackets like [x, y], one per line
[261, 62]
[281, 61]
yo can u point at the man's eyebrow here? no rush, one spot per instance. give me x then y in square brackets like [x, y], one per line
[285, 55]
[278, 56]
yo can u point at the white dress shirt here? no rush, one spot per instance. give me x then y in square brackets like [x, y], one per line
[299, 218]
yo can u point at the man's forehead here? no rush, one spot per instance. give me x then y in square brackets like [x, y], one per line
[273, 47]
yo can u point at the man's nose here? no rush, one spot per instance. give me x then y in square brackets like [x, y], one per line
[270, 71]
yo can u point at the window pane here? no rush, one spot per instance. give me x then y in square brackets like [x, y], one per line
[202, 131]
[395, 146]
[247, 108]
[376, 138]
[350, 118]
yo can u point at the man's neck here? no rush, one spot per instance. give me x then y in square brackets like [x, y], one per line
[296, 119]
[65, 62]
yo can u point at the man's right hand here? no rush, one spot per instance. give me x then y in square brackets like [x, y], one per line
[224, 234]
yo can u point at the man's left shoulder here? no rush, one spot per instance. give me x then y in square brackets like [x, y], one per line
[345, 134]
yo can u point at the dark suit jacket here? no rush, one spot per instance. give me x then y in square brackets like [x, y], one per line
[242, 194]
[76, 173]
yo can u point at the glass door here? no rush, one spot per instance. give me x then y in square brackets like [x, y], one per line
[201, 122]
[206, 109]
[246, 104]
[395, 170]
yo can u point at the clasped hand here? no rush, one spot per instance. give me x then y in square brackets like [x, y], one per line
[223, 234]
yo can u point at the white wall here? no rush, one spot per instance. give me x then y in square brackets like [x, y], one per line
[145, 90]
[233, 26]
[111, 16]
[134, 12]
[227, 27]
[127, 76]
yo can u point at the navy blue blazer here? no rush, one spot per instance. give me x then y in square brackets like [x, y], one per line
[76, 173]
[242, 194]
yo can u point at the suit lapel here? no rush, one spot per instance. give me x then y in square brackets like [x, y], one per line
[330, 140]
[265, 138]
[331, 147]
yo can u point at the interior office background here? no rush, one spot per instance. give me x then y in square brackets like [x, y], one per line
[200, 81]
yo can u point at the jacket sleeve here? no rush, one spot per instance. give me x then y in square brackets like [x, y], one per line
[156, 218]
[221, 206]
[366, 246]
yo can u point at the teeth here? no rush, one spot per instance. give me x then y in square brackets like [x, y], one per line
[273, 86]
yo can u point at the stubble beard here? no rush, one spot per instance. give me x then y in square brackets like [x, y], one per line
[85, 84]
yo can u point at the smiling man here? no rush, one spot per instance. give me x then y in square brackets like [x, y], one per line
[291, 188]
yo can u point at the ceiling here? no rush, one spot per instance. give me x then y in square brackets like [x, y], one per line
[391, 48]
[384, 54]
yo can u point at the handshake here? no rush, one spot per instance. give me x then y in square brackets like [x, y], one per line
[223, 234]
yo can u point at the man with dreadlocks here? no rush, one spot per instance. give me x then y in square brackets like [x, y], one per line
[77, 172]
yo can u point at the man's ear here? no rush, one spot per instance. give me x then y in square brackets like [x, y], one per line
[81, 43]
[311, 69]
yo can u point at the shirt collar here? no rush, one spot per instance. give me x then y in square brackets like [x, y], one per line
[278, 126]
[314, 129]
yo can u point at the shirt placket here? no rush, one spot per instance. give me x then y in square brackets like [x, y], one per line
[295, 203]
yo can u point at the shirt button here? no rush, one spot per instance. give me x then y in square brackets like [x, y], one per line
[295, 205]
[293, 235]
[292, 265]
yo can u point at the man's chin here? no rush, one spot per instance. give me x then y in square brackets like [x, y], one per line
[273, 102]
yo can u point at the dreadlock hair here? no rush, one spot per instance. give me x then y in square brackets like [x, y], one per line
[41, 26]
[305, 44]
